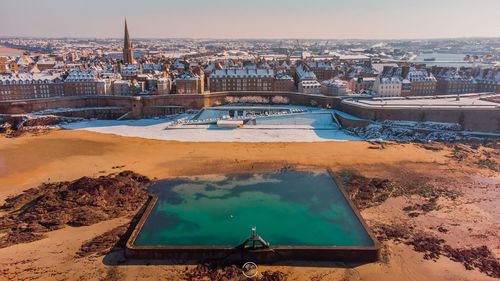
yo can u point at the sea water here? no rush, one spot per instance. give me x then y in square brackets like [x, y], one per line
[288, 208]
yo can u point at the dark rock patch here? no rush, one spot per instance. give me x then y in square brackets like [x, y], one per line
[480, 258]
[82, 202]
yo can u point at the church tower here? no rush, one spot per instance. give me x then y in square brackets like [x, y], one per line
[128, 50]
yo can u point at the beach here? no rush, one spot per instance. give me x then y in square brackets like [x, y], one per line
[472, 220]
[4, 51]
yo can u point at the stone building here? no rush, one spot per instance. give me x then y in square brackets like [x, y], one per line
[82, 83]
[324, 70]
[284, 83]
[121, 88]
[413, 81]
[242, 80]
[453, 81]
[333, 87]
[130, 71]
[306, 80]
[387, 86]
[163, 86]
[8, 65]
[360, 84]
[406, 87]
[309, 87]
[106, 82]
[187, 83]
[45, 65]
[422, 82]
[488, 80]
[31, 86]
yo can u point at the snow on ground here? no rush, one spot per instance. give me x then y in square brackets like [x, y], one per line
[314, 120]
[313, 126]
[426, 125]
[402, 131]
[65, 109]
[220, 111]
[441, 101]
[411, 131]
[155, 129]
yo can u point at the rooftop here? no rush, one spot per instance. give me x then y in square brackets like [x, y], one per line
[81, 76]
[29, 78]
[304, 73]
[242, 73]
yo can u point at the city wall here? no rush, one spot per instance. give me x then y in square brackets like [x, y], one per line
[146, 107]
[480, 119]
[27, 106]
[141, 107]
[351, 123]
[212, 99]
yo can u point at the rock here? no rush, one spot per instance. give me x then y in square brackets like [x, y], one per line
[442, 229]
[433, 247]
[16, 125]
[84, 201]
[429, 245]
[214, 271]
[396, 232]
[101, 244]
[411, 131]
[479, 257]
[426, 207]
[365, 192]
[432, 147]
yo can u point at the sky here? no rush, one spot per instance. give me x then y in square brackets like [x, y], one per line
[301, 19]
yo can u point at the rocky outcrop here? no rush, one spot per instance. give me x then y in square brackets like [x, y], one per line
[85, 201]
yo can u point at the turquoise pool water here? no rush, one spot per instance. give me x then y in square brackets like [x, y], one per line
[291, 208]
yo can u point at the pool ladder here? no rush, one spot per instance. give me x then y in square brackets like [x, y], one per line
[254, 241]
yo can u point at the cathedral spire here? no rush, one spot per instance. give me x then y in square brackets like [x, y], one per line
[128, 50]
[126, 44]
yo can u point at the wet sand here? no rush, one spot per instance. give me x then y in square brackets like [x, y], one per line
[473, 220]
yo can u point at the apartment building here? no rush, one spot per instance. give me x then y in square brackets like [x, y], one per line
[242, 80]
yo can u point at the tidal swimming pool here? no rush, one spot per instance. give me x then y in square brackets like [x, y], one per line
[288, 208]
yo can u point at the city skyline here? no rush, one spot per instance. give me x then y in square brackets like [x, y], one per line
[387, 19]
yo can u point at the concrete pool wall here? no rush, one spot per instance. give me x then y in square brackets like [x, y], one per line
[264, 255]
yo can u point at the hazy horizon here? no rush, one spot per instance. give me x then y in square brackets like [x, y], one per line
[251, 39]
[257, 19]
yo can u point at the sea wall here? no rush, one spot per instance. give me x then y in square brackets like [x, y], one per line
[351, 123]
[103, 113]
[150, 104]
[479, 119]
[145, 106]
[33, 105]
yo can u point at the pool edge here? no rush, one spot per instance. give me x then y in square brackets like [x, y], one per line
[270, 255]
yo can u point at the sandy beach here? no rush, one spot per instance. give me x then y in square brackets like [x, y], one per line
[10, 52]
[472, 220]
